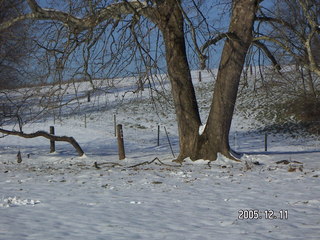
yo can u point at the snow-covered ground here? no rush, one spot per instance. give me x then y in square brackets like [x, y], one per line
[147, 196]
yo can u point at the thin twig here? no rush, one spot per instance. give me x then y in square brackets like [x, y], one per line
[165, 129]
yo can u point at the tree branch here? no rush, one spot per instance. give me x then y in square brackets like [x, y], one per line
[279, 43]
[33, 5]
[44, 134]
[219, 37]
[7, 24]
[202, 57]
[265, 49]
[313, 66]
[213, 41]
[282, 23]
[77, 24]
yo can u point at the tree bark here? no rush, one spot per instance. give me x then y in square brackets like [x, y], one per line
[44, 134]
[215, 138]
[188, 118]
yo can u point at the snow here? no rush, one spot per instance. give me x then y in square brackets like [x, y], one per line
[201, 129]
[14, 201]
[147, 196]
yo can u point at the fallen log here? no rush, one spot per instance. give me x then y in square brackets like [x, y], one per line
[47, 135]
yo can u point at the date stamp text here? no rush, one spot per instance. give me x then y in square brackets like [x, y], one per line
[269, 214]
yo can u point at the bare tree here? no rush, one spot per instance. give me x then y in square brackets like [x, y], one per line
[293, 31]
[168, 16]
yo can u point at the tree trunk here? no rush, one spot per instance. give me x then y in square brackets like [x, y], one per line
[186, 107]
[215, 138]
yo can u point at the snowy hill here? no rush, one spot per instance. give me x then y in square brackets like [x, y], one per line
[269, 195]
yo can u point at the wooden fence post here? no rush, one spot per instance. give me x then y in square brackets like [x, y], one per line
[122, 154]
[158, 140]
[52, 143]
[266, 142]
[115, 124]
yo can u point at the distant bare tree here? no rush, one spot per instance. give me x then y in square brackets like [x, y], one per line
[293, 30]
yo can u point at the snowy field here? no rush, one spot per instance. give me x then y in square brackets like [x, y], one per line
[269, 195]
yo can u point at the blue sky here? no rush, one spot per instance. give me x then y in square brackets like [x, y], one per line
[217, 17]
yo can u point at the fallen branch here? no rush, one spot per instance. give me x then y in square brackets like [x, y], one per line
[109, 164]
[113, 164]
[49, 136]
[150, 162]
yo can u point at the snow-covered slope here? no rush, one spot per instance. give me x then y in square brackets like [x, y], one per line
[147, 196]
